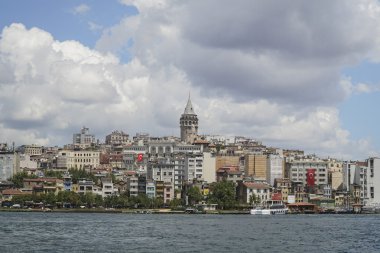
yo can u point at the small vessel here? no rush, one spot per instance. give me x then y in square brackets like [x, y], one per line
[271, 207]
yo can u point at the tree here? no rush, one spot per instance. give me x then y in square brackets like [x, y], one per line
[18, 178]
[253, 199]
[157, 202]
[88, 199]
[194, 195]
[52, 173]
[175, 203]
[224, 194]
[49, 198]
[77, 174]
[99, 200]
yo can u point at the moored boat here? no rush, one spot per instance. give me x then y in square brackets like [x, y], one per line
[271, 207]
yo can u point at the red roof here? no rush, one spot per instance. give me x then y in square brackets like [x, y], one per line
[14, 192]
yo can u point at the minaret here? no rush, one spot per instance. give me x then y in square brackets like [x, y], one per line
[189, 124]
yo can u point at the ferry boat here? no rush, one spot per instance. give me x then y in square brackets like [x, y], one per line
[271, 207]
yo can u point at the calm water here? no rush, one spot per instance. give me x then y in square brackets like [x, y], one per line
[69, 232]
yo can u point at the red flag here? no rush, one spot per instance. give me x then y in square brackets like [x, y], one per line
[140, 157]
[310, 177]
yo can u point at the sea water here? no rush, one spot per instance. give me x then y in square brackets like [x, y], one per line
[102, 232]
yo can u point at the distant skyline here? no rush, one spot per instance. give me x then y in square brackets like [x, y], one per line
[292, 74]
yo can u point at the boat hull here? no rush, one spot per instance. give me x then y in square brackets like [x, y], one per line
[269, 211]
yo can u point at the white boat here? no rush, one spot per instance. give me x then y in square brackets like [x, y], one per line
[271, 207]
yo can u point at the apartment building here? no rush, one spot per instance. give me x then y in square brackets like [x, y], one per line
[78, 159]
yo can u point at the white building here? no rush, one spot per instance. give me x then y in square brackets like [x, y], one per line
[9, 164]
[161, 172]
[151, 189]
[78, 159]
[193, 167]
[275, 168]
[107, 187]
[367, 174]
[26, 163]
[83, 139]
[260, 192]
[298, 169]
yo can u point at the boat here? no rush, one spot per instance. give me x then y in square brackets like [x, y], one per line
[271, 207]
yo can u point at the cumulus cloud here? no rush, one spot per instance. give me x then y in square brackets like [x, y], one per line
[265, 69]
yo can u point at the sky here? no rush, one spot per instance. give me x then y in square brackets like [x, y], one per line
[293, 74]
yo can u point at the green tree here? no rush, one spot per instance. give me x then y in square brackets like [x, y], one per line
[175, 203]
[99, 200]
[20, 199]
[144, 201]
[253, 199]
[69, 197]
[49, 198]
[157, 202]
[194, 195]
[87, 199]
[53, 173]
[224, 194]
[18, 178]
[77, 174]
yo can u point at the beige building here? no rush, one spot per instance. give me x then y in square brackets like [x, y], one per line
[31, 150]
[222, 161]
[78, 159]
[335, 170]
[256, 166]
[117, 138]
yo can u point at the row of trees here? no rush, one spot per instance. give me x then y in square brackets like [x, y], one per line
[74, 200]
[221, 193]
[75, 174]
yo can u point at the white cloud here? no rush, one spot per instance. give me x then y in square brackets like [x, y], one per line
[81, 9]
[94, 27]
[267, 70]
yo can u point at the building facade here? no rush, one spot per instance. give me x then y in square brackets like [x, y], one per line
[117, 138]
[9, 164]
[275, 168]
[78, 159]
[256, 166]
[83, 139]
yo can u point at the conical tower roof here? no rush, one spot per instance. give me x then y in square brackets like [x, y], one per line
[189, 107]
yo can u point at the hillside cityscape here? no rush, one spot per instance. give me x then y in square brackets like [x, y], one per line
[207, 172]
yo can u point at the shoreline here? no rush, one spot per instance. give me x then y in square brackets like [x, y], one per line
[150, 211]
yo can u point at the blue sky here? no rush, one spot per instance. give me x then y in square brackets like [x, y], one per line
[60, 19]
[359, 112]
[262, 64]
